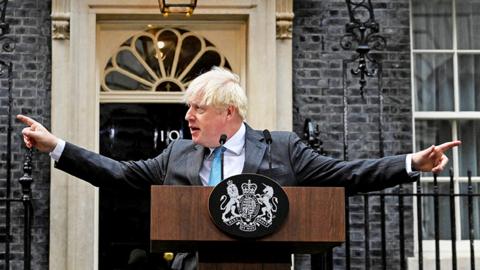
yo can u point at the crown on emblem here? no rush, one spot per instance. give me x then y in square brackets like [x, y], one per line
[249, 188]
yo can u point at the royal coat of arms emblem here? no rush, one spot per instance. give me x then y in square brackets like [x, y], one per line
[248, 204]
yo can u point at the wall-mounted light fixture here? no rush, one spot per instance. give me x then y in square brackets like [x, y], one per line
[363, 36]
[177, 6]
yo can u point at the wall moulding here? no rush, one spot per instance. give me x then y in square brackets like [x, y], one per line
[284, 25]
[60, 19]
[61, 26]
[284, 19]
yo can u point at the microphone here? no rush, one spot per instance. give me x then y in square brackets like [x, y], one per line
[268, 140]
[223, 139]
[312, 135]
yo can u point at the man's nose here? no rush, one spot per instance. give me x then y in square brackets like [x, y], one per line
[189, 115]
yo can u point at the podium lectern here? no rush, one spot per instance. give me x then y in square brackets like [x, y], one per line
[180, 222]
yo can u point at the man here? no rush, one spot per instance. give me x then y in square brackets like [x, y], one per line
[217, 105]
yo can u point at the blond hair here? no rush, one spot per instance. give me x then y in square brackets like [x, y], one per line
[220, 88]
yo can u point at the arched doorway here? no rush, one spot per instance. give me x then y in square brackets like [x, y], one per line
[156, 61]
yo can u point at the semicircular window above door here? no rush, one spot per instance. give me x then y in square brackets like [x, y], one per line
[160, 60]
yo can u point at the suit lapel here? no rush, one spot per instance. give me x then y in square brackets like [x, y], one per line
[254, 150]
[194, 164]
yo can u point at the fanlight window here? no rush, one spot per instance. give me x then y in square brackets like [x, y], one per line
[162, 60]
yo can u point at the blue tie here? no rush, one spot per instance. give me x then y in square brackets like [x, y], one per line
[216, 170]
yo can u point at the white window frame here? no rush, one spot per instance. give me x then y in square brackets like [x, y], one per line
[463, 246]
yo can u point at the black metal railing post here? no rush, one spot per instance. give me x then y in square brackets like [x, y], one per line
[471, 232]
[453, 231]
[26, 182]
[383, 233]
[366, 230]
[401, 226]
[347, 233]
[419, 225]
[436, 222]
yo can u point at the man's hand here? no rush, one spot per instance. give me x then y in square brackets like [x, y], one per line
[35, 135]
[433, 158]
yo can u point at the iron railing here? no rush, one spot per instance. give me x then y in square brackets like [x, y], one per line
[409, 200]
[417, 195]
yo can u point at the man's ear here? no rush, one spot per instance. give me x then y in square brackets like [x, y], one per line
[231, 111]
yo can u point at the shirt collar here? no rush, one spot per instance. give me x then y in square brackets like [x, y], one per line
[236, 143]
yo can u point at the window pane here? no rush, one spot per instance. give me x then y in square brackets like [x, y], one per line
[469, 152]
[469, 81]
[468, 24]
[434, 82]
[428, 212]
[432, 24]
[160, 59]
[432, 132]
[475, 211]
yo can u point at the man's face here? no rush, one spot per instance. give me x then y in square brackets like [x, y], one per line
[206, 123]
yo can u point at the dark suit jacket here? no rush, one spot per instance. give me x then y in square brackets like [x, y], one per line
[293, 164]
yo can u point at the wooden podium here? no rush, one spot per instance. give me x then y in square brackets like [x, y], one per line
[180, 222]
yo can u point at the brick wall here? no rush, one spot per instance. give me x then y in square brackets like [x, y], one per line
[30, 28]
[317, 66]
[318, 94]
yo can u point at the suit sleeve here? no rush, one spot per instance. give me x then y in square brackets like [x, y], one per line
[365, 175]
[105, 172]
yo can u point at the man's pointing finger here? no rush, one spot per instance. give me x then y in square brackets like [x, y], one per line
[26, 120]
[448, 145]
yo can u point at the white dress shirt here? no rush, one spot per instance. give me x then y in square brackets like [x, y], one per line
[233, 159]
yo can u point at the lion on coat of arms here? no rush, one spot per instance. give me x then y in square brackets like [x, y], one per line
[233, 202]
